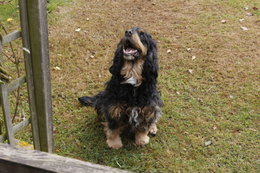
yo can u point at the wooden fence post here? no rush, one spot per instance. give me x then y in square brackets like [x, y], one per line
[33, 15]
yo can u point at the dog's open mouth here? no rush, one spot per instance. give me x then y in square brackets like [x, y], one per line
[130, 52]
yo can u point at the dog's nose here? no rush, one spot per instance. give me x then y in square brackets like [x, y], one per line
[128, 33]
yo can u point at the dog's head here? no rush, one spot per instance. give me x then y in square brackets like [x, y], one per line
[135, 44]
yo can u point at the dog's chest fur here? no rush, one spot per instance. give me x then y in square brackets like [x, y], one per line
[132, 72]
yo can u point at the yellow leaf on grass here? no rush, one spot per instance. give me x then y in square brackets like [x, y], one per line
[9, 19]
[24, 144]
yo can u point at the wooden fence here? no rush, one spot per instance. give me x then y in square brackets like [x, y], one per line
[5, 89]
[34, 34]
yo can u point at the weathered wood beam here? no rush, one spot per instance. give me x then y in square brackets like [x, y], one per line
[21, 160]
[29, 73]
[15, 84]
[10, 37]
[35, 35]
[21, 125]
[16, 128]
[7, 113]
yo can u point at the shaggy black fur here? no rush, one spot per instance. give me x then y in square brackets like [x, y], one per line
[140, 106]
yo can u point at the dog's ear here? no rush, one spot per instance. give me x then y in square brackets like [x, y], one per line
[150, 72]
[117, 61]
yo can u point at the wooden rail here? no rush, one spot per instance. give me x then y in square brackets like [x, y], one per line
[14, 160]
[16, 128]
[10, 37]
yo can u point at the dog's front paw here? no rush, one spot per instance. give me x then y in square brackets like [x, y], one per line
[141, 139]
[114, 143]
[153, 130]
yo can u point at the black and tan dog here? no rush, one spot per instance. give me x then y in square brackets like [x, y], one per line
[130, 100]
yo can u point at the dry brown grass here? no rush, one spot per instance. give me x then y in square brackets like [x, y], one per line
[217, 102]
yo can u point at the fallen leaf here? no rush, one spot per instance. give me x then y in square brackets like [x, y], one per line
[207, 143]
[190, 71]
[188, 49]
[9, 19]
[246, 8]
[255, 8]
[24, 144]
[193, 57]
[244, 28]
[78, 29]
[223, 21]
[169, 51]
[249, 14]
[241, 20]
[57, 68]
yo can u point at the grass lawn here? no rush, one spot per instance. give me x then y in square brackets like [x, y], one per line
[209, 81]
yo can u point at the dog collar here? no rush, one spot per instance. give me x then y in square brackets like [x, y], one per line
[133, 81]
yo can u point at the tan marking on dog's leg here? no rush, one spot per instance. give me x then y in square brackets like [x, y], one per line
[153, 129]
[113, 137]
[141, 138]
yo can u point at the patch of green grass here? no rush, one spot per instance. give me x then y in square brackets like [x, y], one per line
[54, 4]
[242, 3]
[9, 13]
[8, 9]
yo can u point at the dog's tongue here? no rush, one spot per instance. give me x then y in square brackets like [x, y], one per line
[130, 51]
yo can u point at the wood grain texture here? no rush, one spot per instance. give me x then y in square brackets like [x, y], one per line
[35, 41]
[38, 34]
[16, 128]
[7, 114]
[14, 159]
[29, 72]
[11, 36]
[15, 84]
